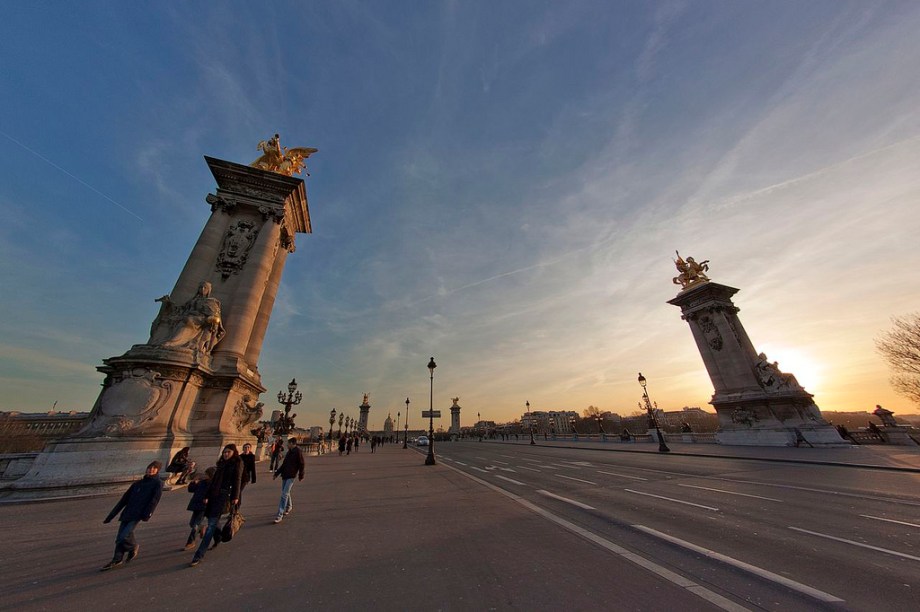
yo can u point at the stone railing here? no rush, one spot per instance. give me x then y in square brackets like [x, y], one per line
[14, 465]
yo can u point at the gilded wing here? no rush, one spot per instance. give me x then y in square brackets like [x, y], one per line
[302, 152]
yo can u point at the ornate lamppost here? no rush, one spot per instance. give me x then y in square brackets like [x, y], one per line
[292, 398]
[430, 459]
[600, 427]
[406, 433]
[331, 423]
[530, 420]
[574, 431]
[398, 414]
[662, 447]
[341, 418]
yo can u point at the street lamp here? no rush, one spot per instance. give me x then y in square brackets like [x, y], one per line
[479, 425]
[572, 423]
[530, 420]
[341, 418]
[398, 414]
[331, 423]
[406, 433]
[430, 459]
[292, 398]
[662, 447]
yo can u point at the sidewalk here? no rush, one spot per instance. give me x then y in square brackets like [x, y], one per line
[379, 531]
[878, 456]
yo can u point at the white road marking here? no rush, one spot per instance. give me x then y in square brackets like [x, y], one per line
[565, 499]
[502, 462]
[674, 578]
[508, 456]
[524, 467]
[568, 467]
[511, 480]
[445, 458]
[679, 501]
[621, 475]
[580, 463]
[860, 544]
[729, 492]
[752, 569]
[576, 479]
[530, 460]
[459, 463]
[483, 458]
[478, 469]
[878, 518]
[888, 500]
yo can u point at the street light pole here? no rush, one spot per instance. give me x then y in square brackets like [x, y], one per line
[292, 399]
[530, 420]
[331, 423]
[430, 459]
[406, 433]
[662, 447]
[341, 418]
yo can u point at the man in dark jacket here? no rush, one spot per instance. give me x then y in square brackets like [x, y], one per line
[293, 465]
[249, 468]
[137, 504]
[223, 495]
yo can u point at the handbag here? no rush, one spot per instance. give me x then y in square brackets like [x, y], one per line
[234, 523]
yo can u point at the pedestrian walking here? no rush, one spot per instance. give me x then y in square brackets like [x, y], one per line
[348, 444]
[223, 494]
[292, 466]
[249, 468]
[277, 450]
[374, 444]
[199, 490]
[341, 446]
[137, 504]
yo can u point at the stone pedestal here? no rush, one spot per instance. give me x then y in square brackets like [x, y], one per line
[196, 381]
[364, 411]
[757, 404]
[454, 430]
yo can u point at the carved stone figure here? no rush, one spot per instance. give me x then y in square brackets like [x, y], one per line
[455, 400]
[237, 242]
[691, 272]
[366, 397]
[194, 325]
[282, 160]
[744, 416]
[772, 378]
[713, 336]
[245, 412]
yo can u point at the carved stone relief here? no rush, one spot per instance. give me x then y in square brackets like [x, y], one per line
[245, 412]
[130, 404]
[238, 242]
[713, 336]
[194, 326]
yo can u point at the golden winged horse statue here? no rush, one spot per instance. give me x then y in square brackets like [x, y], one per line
[282, 160]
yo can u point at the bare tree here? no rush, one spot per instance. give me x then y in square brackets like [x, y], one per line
[901, 349]
[591, 411]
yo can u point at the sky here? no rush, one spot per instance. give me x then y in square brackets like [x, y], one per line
[501, 185]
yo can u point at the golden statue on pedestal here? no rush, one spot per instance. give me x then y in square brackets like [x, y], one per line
[691, 272]
[282, 160]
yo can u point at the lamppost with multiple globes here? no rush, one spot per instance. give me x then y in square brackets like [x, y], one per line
[406, 433]
[530, 420]
[430, 459]
[479, 425]
[331, 423]
[662, 446]
[398, 415]
[292, 398]
[341, 419]
[572, 423]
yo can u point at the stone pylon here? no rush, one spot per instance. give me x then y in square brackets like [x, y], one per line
[757, 404]
[196, 381]
[364, 413]
[455, 418]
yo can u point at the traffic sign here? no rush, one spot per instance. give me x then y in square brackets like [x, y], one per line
[431, 414]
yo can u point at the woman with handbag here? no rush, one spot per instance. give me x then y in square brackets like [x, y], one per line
[223, 496]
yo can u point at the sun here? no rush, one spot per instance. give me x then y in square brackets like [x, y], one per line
[807, 370]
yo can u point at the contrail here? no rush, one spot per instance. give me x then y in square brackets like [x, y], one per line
[76, 178]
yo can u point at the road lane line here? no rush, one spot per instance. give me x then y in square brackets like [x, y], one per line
[483, 458]
[676, 579]
[576, 479]
[568, 467]
[459, 463]
[566, 500]
[729, 492]
[511, 480]
[888, 500]
[502, 462]
[878, 518]
[478, 469]
[679, 501]
[524, 467]
[860, 544]
[530, 460]
[508, 456]
[621, 475]
[752, 569]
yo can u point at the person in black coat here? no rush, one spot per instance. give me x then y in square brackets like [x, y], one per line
[223, 494]
[249, 468]
[199, 490]
[292, 467]
[137, 504]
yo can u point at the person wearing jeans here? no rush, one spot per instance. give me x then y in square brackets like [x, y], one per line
[292, 467]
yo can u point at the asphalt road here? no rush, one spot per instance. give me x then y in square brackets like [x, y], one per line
[773, 535]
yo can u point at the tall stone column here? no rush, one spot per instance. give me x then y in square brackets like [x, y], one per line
[195, 382]
[455, 418]
[756, 403]
[364, 413]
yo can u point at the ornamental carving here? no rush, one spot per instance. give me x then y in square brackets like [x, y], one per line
[218, 202]
[276, 158]
[194, 326]
[235, 249]
[744, 416]
[771, 378]
[711, 332]
[691, 272]
[130, 404]
[274, 213]
[245, 412]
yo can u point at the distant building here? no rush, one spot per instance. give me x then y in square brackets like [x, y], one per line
[558, 421]
[30, 432]
[388, 426]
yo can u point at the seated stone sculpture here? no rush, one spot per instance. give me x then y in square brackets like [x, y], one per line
[195, 325]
